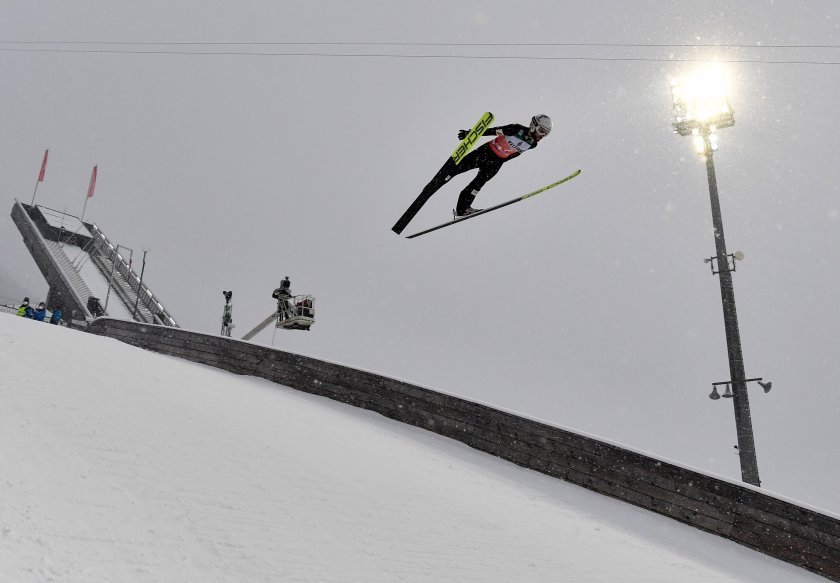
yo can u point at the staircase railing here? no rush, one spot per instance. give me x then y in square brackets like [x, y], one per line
[144, 295]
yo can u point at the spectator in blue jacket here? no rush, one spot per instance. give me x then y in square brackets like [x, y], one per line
[56, 315]
[41, 312]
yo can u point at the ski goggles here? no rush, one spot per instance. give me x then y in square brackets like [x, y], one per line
[541, 131]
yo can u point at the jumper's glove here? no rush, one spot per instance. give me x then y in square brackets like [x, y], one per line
[462, 134]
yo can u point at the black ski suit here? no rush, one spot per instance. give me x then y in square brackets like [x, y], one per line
[509, 142]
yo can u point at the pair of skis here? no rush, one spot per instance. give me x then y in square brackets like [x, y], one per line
[462, 150]
[496, 207]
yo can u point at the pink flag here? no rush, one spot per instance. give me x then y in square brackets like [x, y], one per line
[43, 166]
[92, 183]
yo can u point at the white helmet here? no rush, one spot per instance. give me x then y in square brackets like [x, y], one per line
[541, 123]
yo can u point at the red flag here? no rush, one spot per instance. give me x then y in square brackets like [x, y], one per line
[43, 166]
[92, 183]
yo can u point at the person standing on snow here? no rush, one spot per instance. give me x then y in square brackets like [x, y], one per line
[23, 307]
[55, 317]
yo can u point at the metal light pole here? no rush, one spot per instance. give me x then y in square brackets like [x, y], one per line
[700, 111]
[740, 398]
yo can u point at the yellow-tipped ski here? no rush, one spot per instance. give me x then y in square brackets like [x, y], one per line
[552, 185]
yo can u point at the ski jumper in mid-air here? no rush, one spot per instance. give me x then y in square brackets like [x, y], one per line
[509, 142]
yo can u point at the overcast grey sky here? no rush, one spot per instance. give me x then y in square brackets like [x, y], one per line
[589, 306]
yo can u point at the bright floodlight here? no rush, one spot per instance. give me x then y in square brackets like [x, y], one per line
[700, 103]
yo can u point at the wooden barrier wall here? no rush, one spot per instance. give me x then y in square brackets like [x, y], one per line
[741, 513]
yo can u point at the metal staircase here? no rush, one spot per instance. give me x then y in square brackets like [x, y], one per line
[49, 234]
[125, 282]
[68, 270]
[107, 266]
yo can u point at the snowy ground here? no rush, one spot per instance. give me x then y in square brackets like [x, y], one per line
[123, 465]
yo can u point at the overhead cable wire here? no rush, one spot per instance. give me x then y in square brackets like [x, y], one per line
[385, 55]
[432, 44]
[410, 56]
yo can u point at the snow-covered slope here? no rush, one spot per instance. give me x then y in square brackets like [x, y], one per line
[124, 465]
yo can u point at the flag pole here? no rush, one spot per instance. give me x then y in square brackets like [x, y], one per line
[40, 176]
[89, 193]
[82, 220]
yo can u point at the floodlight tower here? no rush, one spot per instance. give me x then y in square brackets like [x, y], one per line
[701, 109]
